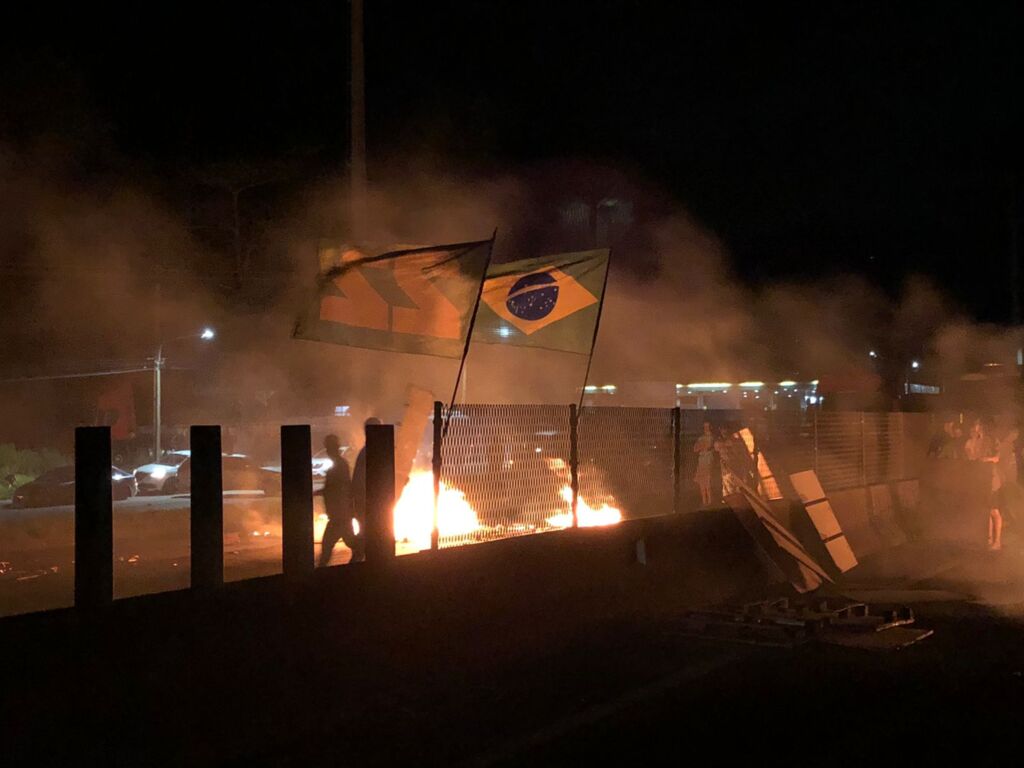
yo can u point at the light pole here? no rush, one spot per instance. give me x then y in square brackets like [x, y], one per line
[158, 363]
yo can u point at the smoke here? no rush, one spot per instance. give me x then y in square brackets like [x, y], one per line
[97, 270]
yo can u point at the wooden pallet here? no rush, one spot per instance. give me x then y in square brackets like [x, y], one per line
[783, 623]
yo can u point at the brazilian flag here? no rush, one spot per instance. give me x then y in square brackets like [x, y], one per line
[552, 302]
[418, 300]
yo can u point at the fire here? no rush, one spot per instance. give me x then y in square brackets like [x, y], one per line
[586, 515]
[414, 511]
[319, 526]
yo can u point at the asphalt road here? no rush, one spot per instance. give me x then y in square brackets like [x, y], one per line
[151, 547]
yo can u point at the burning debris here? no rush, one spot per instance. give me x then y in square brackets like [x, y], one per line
[414, 512]
[586, 515]
[458, 520]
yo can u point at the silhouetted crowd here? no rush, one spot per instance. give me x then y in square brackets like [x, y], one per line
[1002, 452]
[723, 463]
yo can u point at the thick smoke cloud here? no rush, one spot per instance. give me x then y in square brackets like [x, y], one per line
[82, 259]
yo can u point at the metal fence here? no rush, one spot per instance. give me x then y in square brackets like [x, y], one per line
[520, 467]
[626, 461]
[511, 462]
[851, 449]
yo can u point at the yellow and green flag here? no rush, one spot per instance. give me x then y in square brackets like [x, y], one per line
[552, 302]
[417, 300]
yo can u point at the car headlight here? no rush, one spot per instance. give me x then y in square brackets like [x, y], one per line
[159, 473]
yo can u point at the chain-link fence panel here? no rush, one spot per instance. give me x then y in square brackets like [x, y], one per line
[504, 472]
[882, 448]
[626, 463]
[840, 450]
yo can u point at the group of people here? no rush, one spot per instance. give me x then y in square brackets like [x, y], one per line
[727, 451]
[1001, 453]
[344, 496]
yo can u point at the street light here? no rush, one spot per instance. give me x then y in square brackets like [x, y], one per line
[915, 364]
[158, 363]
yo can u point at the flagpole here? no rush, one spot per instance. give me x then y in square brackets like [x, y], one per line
[597, 326]
[469, 332]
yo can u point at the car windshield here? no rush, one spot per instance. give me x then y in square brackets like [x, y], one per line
[174, 459]
[58, 475]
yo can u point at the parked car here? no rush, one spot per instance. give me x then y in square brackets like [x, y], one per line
[57, 487]
[321, 463]
[161, 476]
[238, 473]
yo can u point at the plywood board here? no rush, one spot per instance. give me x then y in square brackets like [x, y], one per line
[823, 518]
[889, 640]
[801, 570]
[807, 486]
[841, 553]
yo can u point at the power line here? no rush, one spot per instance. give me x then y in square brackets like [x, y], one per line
[89, 375]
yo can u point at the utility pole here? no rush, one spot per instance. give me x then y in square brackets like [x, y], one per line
[357, 198]
[158, 364]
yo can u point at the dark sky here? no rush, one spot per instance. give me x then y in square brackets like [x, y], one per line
[879, 138]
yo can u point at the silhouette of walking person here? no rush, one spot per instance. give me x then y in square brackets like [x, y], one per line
[338, 504]
[359, 496]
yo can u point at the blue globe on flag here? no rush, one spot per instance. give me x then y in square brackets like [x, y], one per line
[533, 297]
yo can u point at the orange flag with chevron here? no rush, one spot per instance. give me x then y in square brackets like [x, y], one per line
[416, 300]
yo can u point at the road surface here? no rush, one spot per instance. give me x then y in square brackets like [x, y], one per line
[151, 547]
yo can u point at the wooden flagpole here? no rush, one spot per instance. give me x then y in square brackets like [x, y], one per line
[469, 333]
[597, 326]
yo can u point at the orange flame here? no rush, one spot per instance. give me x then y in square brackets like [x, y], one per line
[414, 512]
[586, 515]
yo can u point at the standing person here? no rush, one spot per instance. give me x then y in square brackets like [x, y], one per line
[947, 443]
[705, 450]
[729, 448]
[359, 496]
[1004, 487]
[953, 448]
[979, 445]
[338, 498]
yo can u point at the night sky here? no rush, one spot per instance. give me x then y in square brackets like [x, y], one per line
[877, 138]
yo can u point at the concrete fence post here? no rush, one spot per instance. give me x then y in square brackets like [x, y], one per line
[380, 493]
[296, 500]
[207, 515]
[94, 519]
